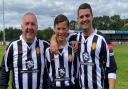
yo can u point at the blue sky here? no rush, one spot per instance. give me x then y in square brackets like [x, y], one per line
[45, 10]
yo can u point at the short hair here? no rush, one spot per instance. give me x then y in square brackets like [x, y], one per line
[29, 13]
[61, 18]
[85, 6]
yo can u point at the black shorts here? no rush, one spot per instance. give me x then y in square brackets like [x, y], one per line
[64, 87]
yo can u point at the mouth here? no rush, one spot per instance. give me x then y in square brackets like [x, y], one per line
[30, 31]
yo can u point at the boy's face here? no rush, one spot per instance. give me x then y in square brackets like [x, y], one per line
[61, 30]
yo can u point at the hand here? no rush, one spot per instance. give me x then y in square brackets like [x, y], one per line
[54, 47]
[74, 45]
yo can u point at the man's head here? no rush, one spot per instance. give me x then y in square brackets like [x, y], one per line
[29, 27]
[61, 27]
[85, 16]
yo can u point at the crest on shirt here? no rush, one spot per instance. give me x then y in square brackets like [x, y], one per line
[86, 59]
[37, 50]
[61, 72]
[86, 56]
[29, 64]
[94, 45]
[69, 57]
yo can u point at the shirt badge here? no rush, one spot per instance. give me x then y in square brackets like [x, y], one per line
[94, 45]
[37, 50]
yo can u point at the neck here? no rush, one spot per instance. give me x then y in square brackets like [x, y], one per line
[62, 43]
[89, 31]
[27, 41]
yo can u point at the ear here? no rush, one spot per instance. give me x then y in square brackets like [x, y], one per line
[37, 26]
[21, 27]
[77, 20]
[54, 29]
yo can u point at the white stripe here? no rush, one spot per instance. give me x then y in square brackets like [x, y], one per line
[82, 67]
[43, 61]
[57, 65]
[65, 55]
[98, 69]
[89, 67]
[34, 75]
[15, 65]
[5, 60]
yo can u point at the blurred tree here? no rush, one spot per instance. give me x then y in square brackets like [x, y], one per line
[45, 34]
[73, 25]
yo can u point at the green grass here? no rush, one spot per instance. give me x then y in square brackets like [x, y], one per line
[121, 56]
[2, 50]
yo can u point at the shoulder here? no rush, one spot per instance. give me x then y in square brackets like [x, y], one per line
[103, 35]
[43, 42]
[14, 42]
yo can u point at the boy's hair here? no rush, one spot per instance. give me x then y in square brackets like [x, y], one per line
[84, 6]
[61, 18]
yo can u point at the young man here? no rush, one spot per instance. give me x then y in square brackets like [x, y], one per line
[96, 58]
[62, 67]
[25, 57]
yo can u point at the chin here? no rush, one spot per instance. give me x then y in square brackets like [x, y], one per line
[60, 40]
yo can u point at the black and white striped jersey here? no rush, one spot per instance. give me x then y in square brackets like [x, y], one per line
[62, 67]
[94, 60]
[27, 64]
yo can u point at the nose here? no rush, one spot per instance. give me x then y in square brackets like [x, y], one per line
[84, 18]
[29, 26]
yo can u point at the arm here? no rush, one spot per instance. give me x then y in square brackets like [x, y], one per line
[53, 44]
[73, 41]
[112, 68]
[112, 83]
[109, 66]
[4, 77]
[5, 68]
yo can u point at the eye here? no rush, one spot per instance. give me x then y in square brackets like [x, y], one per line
[81, 17]
[88, 15]
[26, 23]
[32, 23]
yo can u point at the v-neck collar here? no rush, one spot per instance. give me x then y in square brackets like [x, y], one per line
[25, 43]
[63, 49]
[83, 38]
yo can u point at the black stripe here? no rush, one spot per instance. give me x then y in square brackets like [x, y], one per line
[29, 58]
[85, 68]
[78, 53]
[38, 64]
[61, 62]
[70, 63]
[10, 64]
[102, 62]
[20, 52]
[94, 74]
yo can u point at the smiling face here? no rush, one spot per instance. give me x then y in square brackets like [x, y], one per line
[61, 30]
[29, 27]
[85, 19]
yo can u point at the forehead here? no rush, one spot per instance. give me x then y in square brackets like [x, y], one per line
[29, 18]
[84, 12]
[62, 24]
